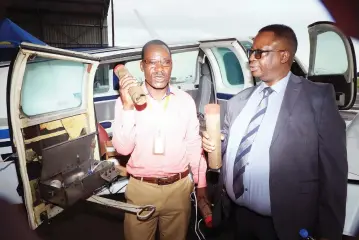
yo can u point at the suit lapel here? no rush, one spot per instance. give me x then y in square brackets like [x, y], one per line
[290, 97]
[241, 103]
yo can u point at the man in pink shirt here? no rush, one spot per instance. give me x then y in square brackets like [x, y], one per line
[165, 146]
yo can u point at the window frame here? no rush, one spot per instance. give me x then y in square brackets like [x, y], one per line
[318, 58]
[27, 121]
[109, 79]
[195, 70]
[241, 55]
[83, 93]
[225, 80]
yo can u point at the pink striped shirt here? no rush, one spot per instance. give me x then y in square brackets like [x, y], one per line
[134, 132]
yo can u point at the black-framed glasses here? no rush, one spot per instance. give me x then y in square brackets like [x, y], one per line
[258, 53]
[154, 62]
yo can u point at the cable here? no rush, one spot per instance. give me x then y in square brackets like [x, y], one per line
[8, 165]
[199, 229]
[196, 210]
[12, 155]
[121, 188]
[115, 206]
[96, 164]
[196, 225]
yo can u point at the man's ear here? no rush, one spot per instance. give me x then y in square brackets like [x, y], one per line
[285, 57]
[142, 65]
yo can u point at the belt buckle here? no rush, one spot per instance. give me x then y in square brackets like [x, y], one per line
[163, 181]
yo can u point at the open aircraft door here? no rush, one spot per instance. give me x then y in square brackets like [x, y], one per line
[54, 132]
[332, 60]
[50, 104]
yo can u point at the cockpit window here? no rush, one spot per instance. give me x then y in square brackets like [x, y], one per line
[51, 85]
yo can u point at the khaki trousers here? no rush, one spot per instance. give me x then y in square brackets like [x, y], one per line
[173, 209]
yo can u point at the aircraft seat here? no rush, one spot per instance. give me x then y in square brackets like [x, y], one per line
[205, 92]
[108, 151]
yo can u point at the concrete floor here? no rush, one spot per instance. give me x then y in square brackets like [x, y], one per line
[90, 221]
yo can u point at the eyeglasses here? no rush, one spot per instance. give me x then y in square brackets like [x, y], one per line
[153, 62]
[258, 52]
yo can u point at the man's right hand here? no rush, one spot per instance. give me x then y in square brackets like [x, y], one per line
[126, 82]
[207, 143]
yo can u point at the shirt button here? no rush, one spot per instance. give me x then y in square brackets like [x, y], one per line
[246, 189]
[247, 163]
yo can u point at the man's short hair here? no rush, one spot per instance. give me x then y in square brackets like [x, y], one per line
[282, 31]
[151, 43]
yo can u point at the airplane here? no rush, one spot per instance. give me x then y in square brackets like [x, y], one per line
[59, 100]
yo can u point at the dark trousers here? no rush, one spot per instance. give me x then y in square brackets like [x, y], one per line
[252, 226]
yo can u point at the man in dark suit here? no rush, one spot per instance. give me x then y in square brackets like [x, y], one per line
[284, 145]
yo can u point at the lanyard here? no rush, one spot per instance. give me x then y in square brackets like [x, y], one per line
[161, 119]
[167, 96]
[165, 105]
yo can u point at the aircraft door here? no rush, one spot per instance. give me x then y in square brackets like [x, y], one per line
[332, 60]
[229, 65]
[51, 107]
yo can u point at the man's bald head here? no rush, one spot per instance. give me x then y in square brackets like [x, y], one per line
[285, 35]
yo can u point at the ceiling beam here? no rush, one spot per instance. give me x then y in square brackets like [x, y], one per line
[87, 2]
[14, 10]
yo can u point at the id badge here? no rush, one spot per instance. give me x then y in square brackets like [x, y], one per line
[159, 144]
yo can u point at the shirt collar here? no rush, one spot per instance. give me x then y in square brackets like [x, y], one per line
[278, 86]
[170, 90]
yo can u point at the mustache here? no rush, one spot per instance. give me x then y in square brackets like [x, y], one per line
[159, 74]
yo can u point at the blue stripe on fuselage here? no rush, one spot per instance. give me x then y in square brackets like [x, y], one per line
[105, 98]
[224, 96]
[106, 125]
[4, 133]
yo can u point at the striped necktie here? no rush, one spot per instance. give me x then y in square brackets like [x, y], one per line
[246, 144]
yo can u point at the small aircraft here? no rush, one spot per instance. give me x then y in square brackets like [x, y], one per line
[59, 100]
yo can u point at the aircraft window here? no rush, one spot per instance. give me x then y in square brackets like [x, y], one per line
[101, 83]
[51, 85]
[229, 65]
[246, 44]
[183, 71]
[331, 57]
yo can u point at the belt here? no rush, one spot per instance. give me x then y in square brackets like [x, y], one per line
[163, 180]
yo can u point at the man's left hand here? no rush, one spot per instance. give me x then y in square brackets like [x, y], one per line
[204, 205]
[201, 192]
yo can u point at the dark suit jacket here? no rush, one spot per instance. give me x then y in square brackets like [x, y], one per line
[308, 160]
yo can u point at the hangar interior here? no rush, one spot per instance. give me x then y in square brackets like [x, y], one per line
[69, 24]
[62, 23]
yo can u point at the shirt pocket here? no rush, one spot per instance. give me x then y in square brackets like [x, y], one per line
[176, 126]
